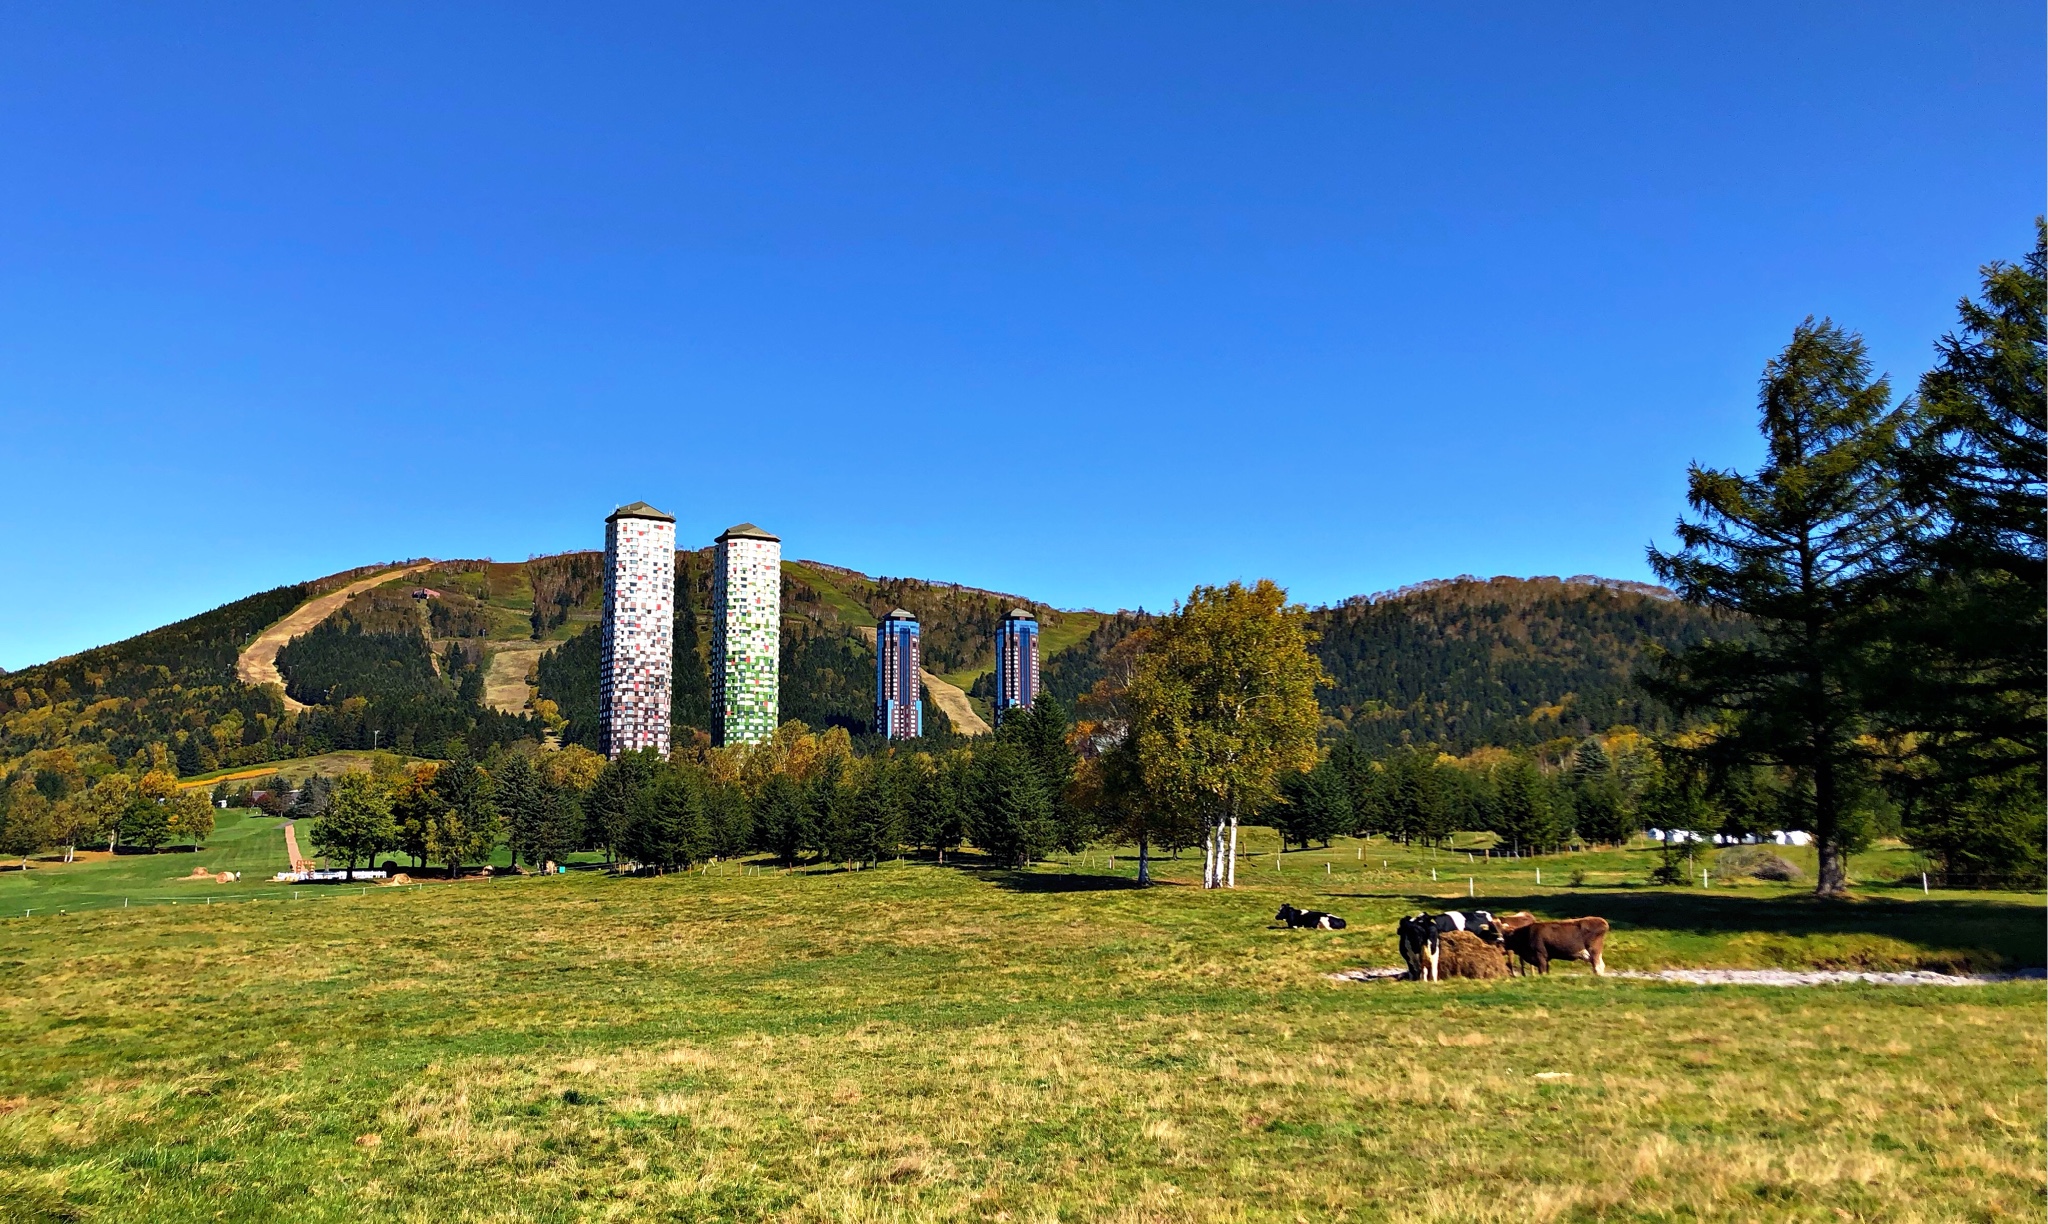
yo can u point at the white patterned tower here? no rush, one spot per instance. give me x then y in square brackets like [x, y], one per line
[746, 636]
[638, 659]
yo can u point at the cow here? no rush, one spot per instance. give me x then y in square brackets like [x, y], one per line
[1420, 935]
[1419, 946]
[1316, 919]
[1538, 943]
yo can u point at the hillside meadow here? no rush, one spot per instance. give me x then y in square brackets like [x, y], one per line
[921, 1042]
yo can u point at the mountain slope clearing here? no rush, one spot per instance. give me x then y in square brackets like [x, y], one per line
[257, 664]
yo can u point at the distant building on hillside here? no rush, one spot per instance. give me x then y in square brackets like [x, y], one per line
[746, 642]
[899, 714]
[1016, 662]
[636, 664]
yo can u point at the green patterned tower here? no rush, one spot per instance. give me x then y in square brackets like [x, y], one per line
[746, 645]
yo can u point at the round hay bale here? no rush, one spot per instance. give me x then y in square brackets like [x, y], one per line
[1755, 862]
[1465, 955]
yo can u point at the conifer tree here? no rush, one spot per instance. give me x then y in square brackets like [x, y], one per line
[1960, 680]
[1315, 806]
[1010, 817]
[467, 827]
[608, 807]
[666, 827]
[784, 827]
[1801, 548]
[523, 798]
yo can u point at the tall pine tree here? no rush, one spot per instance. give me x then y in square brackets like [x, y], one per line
[1801, 548]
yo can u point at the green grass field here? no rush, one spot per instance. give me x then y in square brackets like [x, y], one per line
[924, 1043]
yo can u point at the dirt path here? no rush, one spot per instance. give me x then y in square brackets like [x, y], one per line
[291, 847]
[505, 687]
[258, 663]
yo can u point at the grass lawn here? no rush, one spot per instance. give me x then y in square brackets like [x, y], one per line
[252, 844]
[926, 1043]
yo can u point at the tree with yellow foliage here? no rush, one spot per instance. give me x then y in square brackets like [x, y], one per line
[1221, 704]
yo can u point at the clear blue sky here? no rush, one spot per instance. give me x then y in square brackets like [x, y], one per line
[1088, 302]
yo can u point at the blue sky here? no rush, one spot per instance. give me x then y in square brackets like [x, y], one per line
[1087, 302]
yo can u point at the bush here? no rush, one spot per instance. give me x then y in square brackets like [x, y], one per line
[1759, 862]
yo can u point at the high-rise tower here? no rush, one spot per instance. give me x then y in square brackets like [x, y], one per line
[746, 642]
[1016, 662]
[638, 643]
[898, 712]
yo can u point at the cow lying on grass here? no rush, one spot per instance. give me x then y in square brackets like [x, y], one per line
[1422, 934]
[1538, 943]
[1316, 919]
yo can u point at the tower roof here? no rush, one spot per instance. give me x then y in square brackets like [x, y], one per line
[901, 614]
[1020, 614]
[746, 531]
[639, 510]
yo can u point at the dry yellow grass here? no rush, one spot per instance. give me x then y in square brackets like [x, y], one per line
[922, 1044]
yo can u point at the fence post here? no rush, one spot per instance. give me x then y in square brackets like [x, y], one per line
[1471, 889]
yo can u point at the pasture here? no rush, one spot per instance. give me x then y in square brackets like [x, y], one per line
[920, 1042]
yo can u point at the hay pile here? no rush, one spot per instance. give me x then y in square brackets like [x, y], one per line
[1465, 955]
[1756, 862]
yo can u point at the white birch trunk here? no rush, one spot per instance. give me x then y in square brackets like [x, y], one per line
[1233, 852]
[1209, 858]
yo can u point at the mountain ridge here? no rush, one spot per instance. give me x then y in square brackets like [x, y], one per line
[1450, 662]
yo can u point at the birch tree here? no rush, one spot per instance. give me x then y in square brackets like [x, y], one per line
[1221, 704]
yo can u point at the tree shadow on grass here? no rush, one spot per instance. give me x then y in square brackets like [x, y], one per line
[2011, 931]
[1010, 880]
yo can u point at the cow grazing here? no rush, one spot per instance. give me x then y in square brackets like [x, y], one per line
[1313, 919]
[1419, 946]
[1464, 954]
[1538, 943]
[1420, 935]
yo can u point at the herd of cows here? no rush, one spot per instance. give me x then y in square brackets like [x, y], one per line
[1478, 943]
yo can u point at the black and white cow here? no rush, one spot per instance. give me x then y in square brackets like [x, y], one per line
[1317, 919]
[1420, 935]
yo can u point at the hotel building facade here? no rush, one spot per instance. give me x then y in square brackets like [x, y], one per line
[637, 660]
[746, 642]
[899, 712]
[1016, 662]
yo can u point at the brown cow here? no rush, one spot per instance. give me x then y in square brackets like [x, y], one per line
[1572, 939]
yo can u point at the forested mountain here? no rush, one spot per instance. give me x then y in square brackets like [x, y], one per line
[1466, 662]
[1463, 663]
[157, 687]
[1454, 664]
